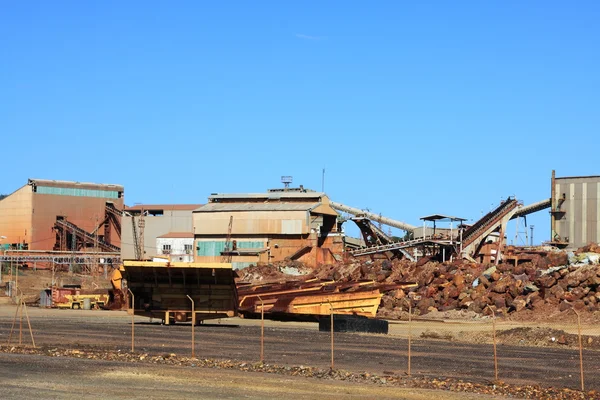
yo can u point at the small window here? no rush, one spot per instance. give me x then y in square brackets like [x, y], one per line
[187, 248]
[166, 249]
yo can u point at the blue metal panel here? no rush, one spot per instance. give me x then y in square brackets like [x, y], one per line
[108, 194]
[214, 248]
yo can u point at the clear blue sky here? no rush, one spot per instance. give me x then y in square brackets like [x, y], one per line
[412, 107]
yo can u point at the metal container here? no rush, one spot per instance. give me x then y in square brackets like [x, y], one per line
[87, 304]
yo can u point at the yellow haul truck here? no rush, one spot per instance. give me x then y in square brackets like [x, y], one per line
[165, 290]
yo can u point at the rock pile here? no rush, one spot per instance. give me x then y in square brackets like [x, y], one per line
[556, 280]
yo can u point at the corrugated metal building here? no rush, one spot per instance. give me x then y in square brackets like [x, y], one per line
[294, 224]
[159, 219]
[575, 213]
[28, 216]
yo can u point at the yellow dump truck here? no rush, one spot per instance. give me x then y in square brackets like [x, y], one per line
[167, 290]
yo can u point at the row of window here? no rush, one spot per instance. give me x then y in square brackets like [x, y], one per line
[187, 248]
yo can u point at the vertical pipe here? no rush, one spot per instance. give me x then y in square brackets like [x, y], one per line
[262, 330]
[409, 333]
[580, 350]
[132, 320]
[193, 325]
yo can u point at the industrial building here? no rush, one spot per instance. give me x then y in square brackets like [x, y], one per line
[176, 246]
[147, 222]
[291, 223]
[55, 215]
[575, 213]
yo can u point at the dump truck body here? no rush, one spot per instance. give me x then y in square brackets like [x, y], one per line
[161, 289]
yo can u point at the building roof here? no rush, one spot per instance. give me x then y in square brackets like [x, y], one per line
[177, 235]
[215, 197]
[73, 184]
[222, 207]
[172, 207]
[441, 217]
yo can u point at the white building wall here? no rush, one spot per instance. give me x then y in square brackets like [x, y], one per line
[177, 251]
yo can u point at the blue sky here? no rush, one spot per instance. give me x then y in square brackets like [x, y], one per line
[412, 108]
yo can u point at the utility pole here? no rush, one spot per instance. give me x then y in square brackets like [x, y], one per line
[531, 237]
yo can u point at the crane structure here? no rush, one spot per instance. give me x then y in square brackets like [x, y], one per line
[226, 253]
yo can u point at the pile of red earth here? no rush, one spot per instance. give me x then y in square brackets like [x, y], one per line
[554, 282]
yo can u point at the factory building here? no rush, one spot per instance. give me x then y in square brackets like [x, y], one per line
[575, 212]
[282, 224]
[61, 215]
[151, 221]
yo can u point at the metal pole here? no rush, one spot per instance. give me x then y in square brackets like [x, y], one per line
[132, 320]
[409, 333]
[193, 324]
[21, 320]
[580, 350]
[262, 330]
[331, 312]
[29, 324]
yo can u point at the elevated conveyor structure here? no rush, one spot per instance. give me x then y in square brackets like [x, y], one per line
[474, 236]
[65, 227]
[373, 217]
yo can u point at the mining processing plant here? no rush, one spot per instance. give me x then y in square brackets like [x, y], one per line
[49, 223]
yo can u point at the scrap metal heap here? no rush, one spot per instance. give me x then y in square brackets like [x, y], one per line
[532, 283]
[314, 297]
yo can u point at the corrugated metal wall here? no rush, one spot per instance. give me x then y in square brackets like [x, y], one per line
[251, 222]
[581, 221]
[215, 247]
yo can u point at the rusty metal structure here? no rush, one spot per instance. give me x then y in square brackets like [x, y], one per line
[28, 215]
[295, 224]
[161, 290]
[314, 298]
[466, 241]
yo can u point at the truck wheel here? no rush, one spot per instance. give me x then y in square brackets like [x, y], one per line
[76, 306]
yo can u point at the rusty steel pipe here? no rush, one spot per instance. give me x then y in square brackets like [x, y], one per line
[374, 217]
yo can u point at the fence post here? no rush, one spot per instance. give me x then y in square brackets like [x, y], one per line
[132, 320]
[409, 333]
[262, 330]
[193, 325]
[580, 349]
[331, 313]
[494, 336]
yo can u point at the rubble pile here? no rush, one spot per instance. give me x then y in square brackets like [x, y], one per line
[554, 281]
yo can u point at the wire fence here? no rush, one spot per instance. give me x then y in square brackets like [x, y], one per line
[490, 350]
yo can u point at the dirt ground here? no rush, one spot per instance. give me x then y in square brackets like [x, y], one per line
[25, 376]
[293, 344]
